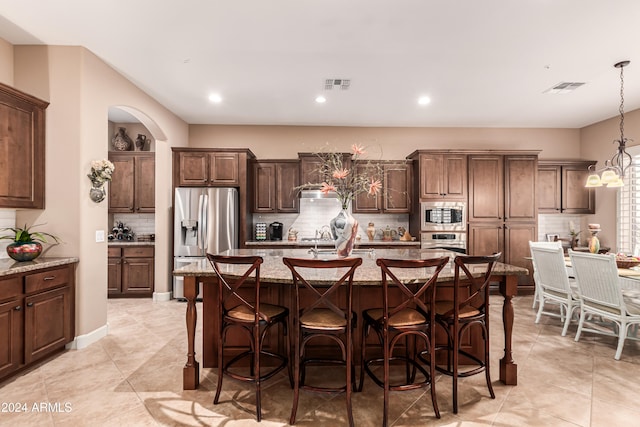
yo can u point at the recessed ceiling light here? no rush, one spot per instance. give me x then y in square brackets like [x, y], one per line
[215, 98]
[321, 99]
[424, 100]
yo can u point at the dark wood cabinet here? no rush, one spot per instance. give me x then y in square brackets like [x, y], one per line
[130, 271]
[132, 187]
[561, 187]
[442, 176]
[208, 168]
[37, 316]
[22, 144]
[503, 208]
[274, 183]
[313, 169]
[395, 197]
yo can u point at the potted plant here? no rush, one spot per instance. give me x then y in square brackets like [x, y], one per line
[27, 244]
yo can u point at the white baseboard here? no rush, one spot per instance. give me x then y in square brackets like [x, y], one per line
[161, 296]
[82, 341]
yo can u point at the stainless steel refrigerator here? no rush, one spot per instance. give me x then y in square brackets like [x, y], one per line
[205, 221]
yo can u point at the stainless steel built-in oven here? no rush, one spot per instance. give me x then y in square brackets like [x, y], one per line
[443, 216]
[452, 241]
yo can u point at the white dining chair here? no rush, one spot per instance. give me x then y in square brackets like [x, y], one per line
[601, 295]
[536, 294]
[552, 280]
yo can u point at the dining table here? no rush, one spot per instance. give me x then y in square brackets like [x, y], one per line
[275, 275]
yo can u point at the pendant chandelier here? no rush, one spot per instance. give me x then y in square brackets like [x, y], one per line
[613, 172]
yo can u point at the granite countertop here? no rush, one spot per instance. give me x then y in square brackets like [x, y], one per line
[329, 243]
[130, 243]
[274, 271]
[9, 266]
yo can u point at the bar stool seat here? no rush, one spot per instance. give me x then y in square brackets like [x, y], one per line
[242, 313]
[322, 318]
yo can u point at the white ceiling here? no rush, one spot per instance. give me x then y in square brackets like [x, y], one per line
[483, 63]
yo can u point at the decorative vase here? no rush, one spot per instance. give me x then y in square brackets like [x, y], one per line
[344, 228]
[594, 244]
[97, 192]
[121, 141]
[141, 143]
[371, 231]
[24, 251]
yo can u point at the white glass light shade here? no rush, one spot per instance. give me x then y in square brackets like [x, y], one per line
[593, 181]
[609, 176]
[617, 183]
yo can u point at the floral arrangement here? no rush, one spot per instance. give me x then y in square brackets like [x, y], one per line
[344, 181]
[101, 171]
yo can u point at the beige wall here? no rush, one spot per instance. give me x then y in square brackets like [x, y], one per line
[597, 143]
[6, 62]
[80, 88]
[281, 142]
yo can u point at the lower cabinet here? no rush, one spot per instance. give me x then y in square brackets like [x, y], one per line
[36, 316]
[130, 271]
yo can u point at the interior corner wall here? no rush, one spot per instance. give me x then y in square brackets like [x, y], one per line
[6, 62]
[80, 88]
[597, 144]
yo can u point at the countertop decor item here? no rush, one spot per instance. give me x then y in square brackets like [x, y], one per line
[346, 183]
[101, 171]
[27, 244]
[121, 141]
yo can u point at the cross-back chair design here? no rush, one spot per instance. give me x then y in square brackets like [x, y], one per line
[322, 317]
[552, 245]
[237, 311]
[601, 295]
[552, 282]
[413, 317]
[472, 275]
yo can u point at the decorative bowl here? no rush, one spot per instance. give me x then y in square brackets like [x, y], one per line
[27, 251]
[627, 263]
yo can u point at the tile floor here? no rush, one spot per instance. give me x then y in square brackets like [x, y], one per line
[133, 377]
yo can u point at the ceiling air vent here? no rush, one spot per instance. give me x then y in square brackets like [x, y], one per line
[342, 84]
[564, 87]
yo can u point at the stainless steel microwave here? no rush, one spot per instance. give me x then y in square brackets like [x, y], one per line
[443, 216]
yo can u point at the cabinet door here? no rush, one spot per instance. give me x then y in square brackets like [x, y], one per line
[193, 168]
[486, 239]
[264, 187]
[364, 203]
[47, 324]
[455, 176]
[137, 276]
[145, 184]
[486, 189]
[549, 189]
[11, 335]
[517, 237]
[431, 174]
[287, 179]
[22, 143]
[311, 170]
[397, 185]
[121, 187]
[520, 188]
[114, 275]
[576, 198]
[223, 168]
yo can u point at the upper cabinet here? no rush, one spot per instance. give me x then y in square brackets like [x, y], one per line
[561, 187]
[22, 144]
[442, 176]
[208, 168]
[396, 185]
[132, 188]
[274, 183]
[312, 169]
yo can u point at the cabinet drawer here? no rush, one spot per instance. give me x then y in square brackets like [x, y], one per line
[114, 252]
[46, 280]
[137, 252]
[10, 288]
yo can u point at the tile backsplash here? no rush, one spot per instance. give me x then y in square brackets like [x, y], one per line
[7, 219]
[139, 223]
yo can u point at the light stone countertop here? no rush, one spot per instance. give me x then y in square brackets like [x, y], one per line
[273, 269]
[329, 243]
[130, 243]
[8, 266]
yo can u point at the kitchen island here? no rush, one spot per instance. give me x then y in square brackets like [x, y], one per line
[276, 278]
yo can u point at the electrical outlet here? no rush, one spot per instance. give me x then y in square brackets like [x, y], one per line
[99, 236]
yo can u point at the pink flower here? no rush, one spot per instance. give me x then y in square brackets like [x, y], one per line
[340, 173]
[374, 186]
[327, 188]
[357, 149]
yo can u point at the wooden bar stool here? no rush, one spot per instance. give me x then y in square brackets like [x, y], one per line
[458, 315]
[409, 318]
[317, 314]
[241, 310]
